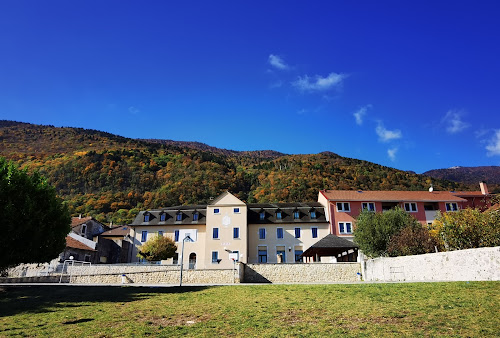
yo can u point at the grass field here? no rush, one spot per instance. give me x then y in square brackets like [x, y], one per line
[420, 309]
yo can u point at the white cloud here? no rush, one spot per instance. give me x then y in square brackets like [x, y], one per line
[276, 84]
[453, 121]
[386, 135]
[392, 153]
[133, 110]
[307, 84]
[277, 62]
[360, 113]
[493, 146]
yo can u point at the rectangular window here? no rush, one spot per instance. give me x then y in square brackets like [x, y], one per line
[176, 235]
[146, 218]
[175, 259]
[451, 207]
[296, 215]
[262, 255]
[144, 236]
[162, 217]
[179, 216]
[343, 206]
[279, 232]
[215, 257]
[297, 232]
[314, 232]
[236, 232]
[278, 215]
[215, 233]
[262, 233]
[370, 206]
[216, 211]
[313, 214]
[345, 227]
[411, 207]
[84, 229]
[262, 215]
[236, 210]
[298, 259]
[160, 233]
[195, 216]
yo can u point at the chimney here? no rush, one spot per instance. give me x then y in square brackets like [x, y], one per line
[484, 188]
[80, 217]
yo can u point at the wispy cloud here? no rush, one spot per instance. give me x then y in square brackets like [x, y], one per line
[133, 110]
[276, 84]
[360, 113]
[319, 83]
[277, 62]
[493, 146]
[392, 153]
[386, 135]
[453, 121]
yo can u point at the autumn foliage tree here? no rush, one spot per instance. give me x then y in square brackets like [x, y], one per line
[413, 239]
[157, 248]
[468, 228]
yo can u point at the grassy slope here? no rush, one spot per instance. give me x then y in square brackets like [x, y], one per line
[451, 309]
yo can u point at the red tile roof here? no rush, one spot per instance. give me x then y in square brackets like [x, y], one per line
[75, 221]
[73, 243]
[391, 196]
[121, 230]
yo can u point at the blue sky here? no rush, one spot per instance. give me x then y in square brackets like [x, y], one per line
[412, 85]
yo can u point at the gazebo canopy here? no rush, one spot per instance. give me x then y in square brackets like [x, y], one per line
[330, 245]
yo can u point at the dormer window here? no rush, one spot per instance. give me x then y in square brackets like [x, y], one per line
[178, 217]
[262, 215]
[278, 214]
[296, 214]
[84, 229]
[312, 213]
[146, 217]
[163, 216]
[196, 216]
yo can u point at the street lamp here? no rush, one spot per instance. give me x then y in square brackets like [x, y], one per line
[189, 239]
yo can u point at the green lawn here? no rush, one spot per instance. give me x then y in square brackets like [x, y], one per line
[420, 309]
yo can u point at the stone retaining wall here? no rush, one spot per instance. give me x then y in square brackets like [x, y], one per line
[481, 264]
[149, 274]
[302, 273]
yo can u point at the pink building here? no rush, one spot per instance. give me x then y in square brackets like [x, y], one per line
[343, 206]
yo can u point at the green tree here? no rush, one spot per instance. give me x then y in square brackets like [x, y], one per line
[413, 239]
[157, 248]
[374, 231]
[34, 221]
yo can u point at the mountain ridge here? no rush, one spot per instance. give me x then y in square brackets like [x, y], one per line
[113, 177]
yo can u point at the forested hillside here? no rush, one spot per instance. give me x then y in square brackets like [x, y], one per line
[112, 177]
[470, 175]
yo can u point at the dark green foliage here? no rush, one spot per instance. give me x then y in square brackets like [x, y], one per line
[108, 176]
[34, 222]
[157, 248]
[413, 239]
[374, 231]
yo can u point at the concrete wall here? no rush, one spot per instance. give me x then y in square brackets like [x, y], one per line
[302, 273]
[481, 264]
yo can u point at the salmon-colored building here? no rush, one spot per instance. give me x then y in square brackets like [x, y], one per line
[342, 207]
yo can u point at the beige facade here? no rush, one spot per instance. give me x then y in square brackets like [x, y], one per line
[228, 229]
[274, 248]
[226, 232]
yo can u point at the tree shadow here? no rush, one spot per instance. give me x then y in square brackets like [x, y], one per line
[44, 298]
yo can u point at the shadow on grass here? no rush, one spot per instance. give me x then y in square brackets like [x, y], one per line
[37, 299]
